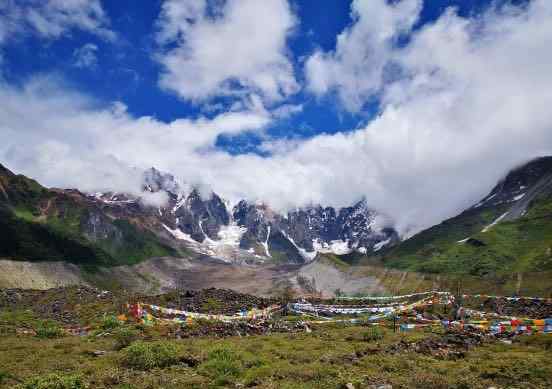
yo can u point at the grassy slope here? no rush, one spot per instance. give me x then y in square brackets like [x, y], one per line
[29, 233]
[523, 245]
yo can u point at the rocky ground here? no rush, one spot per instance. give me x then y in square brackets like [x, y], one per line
[534, 309]
[71, 305]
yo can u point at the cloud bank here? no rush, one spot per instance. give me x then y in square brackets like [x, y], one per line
[235, 50]
[462, 102]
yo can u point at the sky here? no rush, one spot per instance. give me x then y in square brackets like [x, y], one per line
[418, 106]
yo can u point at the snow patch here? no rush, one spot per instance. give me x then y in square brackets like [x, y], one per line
[338, 247]
[485, 200]
[518, 197]
[226, 248]
[230, 235]
[177, 234]
[494, 223]
[307, 255]
[265, 243]
[378, 246]
[179, 203]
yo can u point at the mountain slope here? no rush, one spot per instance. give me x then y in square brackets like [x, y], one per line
[118, 228]
[47, 224]
[510, 230]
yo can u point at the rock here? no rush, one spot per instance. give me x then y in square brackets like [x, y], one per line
[96, 353]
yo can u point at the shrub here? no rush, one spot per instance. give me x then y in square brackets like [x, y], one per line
[145, 356]
[54, 381]
[124, 337]
[48, 329]
[109, 323]
[222, 365]
[372, 334]
[4, 376]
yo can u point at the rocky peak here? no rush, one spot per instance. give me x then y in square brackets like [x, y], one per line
[202, 218]
[520, 183]
[155, 181]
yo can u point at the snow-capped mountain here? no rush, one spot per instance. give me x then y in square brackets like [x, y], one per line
[243, 232]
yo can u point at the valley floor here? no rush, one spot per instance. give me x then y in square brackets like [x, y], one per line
[98, 351]
[326, 358]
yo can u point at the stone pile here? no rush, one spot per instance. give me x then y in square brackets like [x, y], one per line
[536, 309]
[213, 301]
[58, 304]
[239, 328]
[452, 345]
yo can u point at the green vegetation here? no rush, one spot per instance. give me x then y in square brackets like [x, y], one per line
[23, 239]
[223, 365]
[37, 224]
[146, 356]
[124, 337]
[54, 381]
[110, 322]
[329, 357]
[48, 329]
[334, 260]
[373, 334]
[458, 245]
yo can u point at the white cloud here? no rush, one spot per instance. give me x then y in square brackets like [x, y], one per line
[65, 139]
[355, 70]
[86, 56]
[471, 104]
[50, 19]
[472, 100]
[239, 50]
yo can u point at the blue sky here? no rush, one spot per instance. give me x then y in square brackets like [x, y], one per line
[404, 103]
[126, 70]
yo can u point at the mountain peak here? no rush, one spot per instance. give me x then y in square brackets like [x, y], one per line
[154, 181]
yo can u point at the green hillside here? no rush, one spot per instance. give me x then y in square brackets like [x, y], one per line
[38, 224]
[459, 245]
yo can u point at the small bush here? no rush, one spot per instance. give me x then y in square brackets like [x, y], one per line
[110, 323]
[222, 365]
[4, 376]
[124, 337]
[145, 356]
[48, 329]
[373, 334]
[54, 381]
